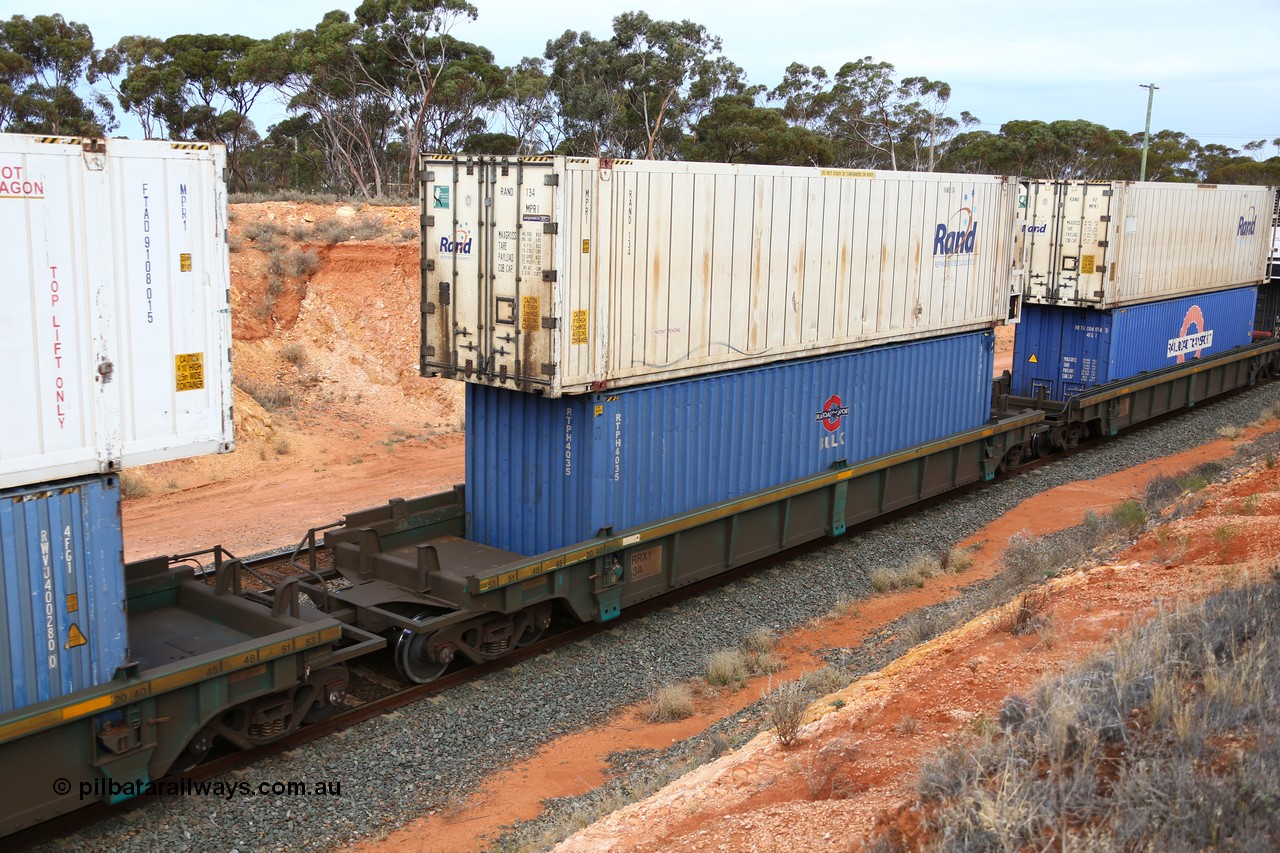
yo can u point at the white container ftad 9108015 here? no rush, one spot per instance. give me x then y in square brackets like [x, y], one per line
[115, 328]
[1106, 244]
[563, 275]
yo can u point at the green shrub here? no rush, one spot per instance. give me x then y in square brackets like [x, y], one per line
[1129, 517]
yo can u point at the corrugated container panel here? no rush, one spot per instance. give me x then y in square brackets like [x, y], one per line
[1107, 244]
[1066, 350]
[62, 587]
[565, 275]
[544, 473]
[117, 308]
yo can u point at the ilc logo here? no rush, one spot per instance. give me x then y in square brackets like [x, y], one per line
[1199, 340]
[1248, 227]
[959, 241]
[833, 411]
[459, 245]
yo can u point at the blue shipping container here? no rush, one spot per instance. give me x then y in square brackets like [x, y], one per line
[62, 584]
[546, 473]
[1066, 350]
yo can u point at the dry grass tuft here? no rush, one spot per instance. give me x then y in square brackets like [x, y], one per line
[671, 702]
[785, 706]
[1022, 615]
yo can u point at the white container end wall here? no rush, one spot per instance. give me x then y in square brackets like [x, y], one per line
[116, 321]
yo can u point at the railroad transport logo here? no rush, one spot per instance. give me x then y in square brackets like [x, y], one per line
[1188, 340]
[833, 410]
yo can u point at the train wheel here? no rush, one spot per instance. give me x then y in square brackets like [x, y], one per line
[1013, 457]
[194, 752]
[416, 661]
[534, 627]
[1043, 445]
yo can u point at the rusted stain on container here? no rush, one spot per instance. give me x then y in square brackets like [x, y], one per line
[701, 267]
[1114, 243]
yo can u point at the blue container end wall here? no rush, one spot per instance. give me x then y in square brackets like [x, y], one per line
[62, 586]
[544, 474]
[1065, 351]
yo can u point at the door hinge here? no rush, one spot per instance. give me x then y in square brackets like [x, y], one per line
[550, 322]
[552, 180]
[549, 275]
[551, 228]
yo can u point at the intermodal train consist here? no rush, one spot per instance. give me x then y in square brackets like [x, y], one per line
[673, 369]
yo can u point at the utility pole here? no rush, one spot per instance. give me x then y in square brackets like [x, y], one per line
[1146, 134]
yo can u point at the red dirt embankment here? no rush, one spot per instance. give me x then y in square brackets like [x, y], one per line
[331, 414]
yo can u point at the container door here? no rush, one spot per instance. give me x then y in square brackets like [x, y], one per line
[1067, 233]
[1072, 389]
[55, 328]
[488, 275]
[1047, 385]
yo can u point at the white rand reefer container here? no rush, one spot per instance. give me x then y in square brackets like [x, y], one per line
[115, 326]
[566, 275]
[1107, 244]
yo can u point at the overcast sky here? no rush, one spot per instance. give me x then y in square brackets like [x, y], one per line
[1215, 63]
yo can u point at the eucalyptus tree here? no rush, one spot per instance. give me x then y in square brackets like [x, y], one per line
[325, 82]
[637, 93]
[436, 87]
[735, 130]
[43, 66]
[529, 107]
[873, 120]
[146, 82]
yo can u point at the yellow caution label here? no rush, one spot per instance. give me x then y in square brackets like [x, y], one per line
[530, 313]
[578, 333]
[846, 173]
[73, 602]
[1086, 265]
[188, 371]
[75, 637]
[1033, 359]
[184, 262]
[599, 410]
[586, 247]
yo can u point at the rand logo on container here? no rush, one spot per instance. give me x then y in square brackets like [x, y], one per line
[1248, 224]
[460, 245]
[1194, 337]
[956, 237]
[832, 413]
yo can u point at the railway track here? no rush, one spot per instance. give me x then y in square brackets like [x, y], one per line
[375, 687]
